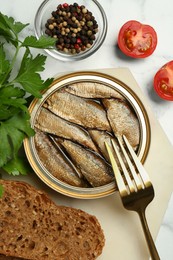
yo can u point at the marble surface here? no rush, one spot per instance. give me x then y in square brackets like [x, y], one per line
[156, 13]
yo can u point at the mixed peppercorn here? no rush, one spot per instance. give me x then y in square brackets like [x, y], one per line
[73, 26]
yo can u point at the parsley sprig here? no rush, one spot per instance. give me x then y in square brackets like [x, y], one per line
[16, 88]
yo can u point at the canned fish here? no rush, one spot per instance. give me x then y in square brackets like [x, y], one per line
[72, 121]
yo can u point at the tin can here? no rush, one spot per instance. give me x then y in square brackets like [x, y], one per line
[64, 81]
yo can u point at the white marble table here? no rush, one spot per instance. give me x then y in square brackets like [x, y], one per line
[153, 12]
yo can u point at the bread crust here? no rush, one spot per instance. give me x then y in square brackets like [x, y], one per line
[33, 227]
[3, 257]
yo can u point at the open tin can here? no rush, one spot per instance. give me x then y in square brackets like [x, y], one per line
[62, 82]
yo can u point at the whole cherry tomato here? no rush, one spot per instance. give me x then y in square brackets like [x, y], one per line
[163, 81]
[137, 40]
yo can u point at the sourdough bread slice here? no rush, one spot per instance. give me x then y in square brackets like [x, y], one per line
[32, 226]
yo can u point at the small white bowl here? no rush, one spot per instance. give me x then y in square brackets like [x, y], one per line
[44, 13]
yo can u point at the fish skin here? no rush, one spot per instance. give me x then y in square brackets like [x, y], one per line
[92, 90]
[92, 166]
[52, 124]
[99, 138]
[81, 111]
[123, 120]
[54, 162]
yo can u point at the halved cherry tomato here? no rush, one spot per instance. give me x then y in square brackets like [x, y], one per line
[137, 40]
[163, 81]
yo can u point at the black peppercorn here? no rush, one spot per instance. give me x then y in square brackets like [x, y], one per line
[73, 26]
[73, 40]
[48, 32]
[92, 37]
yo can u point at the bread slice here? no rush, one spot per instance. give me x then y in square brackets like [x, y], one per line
[3, 257]
[32, 226]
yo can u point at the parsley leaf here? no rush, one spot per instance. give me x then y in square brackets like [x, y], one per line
[7, 112]
[11, 101]
[17, 166]
[12, 132]
[11, 96]
[16, 89]
[15, 27]
[28, 76]
[42, 42]
[4, 64]
[10, 29]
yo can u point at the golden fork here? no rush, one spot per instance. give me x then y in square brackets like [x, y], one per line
[135, 187]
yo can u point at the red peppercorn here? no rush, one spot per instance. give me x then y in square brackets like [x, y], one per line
[76, 46]
[65, 5]
[78, 40]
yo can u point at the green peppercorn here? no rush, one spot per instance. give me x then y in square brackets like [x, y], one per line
[89, 23]
[89, 33]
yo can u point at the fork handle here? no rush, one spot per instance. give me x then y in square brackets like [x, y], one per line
[151, 245]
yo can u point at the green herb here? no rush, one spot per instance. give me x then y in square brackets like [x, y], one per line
[17, 88]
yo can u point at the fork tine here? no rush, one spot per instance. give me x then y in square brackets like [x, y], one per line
[131, 166]
[120, 182]
[126, 174]
[143, 174]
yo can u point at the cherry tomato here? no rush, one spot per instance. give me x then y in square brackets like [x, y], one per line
[163, 81]
[137, 40]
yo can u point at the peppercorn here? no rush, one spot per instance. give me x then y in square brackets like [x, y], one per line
[80, 17]
[89, 23]
[75, 5]
[73, 26]
[67, 30]
[89, 33]
[65, 5]
[92, 37]
[48, 32]
[78, 40]
[73, 40]
[73, 51]
[61, 40]
[83, 48]
[51, 26]
[84, 10]
[72, 9]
